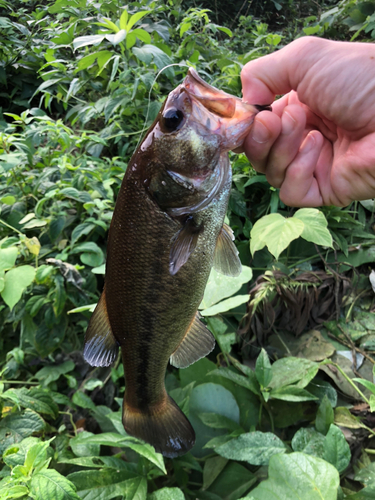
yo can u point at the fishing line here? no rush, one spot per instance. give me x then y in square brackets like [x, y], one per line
[149, 97]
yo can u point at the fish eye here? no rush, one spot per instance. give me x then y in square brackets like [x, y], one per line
[172, 120]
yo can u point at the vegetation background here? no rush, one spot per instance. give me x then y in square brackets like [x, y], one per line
[78, 88]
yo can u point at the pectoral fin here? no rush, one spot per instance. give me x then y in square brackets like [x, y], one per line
[197, 343]
[183, 245]
[226, 260]
[101, 347]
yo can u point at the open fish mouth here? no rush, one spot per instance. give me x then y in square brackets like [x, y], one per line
[227, 115]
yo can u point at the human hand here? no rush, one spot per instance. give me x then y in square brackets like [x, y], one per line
[318, 144]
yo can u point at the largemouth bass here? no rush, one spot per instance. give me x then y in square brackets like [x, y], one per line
[166, 233]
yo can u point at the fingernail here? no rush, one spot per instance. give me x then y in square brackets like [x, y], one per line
[307, 144]
[288, 123]
[260, 133]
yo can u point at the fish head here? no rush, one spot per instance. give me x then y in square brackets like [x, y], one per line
[197, 125]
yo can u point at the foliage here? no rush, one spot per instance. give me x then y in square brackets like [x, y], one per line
[81, 81]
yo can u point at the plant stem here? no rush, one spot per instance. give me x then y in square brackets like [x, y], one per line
[19, 382]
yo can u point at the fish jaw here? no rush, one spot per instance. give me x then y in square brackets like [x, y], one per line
[224, 114]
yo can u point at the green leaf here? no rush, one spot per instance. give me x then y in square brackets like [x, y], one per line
[276, 232]
[50, 373]
[233, 482]
[336, 449]
[212, 468]
[121, 441]
[147, 53]
[35, 399]
[167, 494]
[298, 476]
[220, 286]
[292, 393]
[366, 383]
[49, 484]
[8, 258]
[210, 398]
[287, 371]
[82, 41]
[226, 305]
[309, 441]
[324, 416]
[103, 485]
[136, 17]
[123, 19]
[250, 382]
[184, 28]
[225, 30]
[17, 426]
[315, 229]
[219, 422]
[16, 491]
[256, 448]
[263, 371]
[90, 253]
[83, 449]
[16, 281]
[83, 400]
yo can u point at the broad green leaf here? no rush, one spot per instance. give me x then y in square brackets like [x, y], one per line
[35, 399]
[325, 416]
[8, 258]
[123, 19]
[136, 489]
[15, 454]
[147, 53]
[256, 448]
[184, 28]
[83, 449]
[234, 480]
[336, 449]
[49, 484]
[344, 418]
[82, 41]
[287, 371]
[226, 305]
[167, 494]
[50, 373]
[219, 422]
[119, 37]
[16, 282]
[298, 476]
[366, 383]
[263, 371]
[210, 398]
[292, 393]
[142, 35]
[276, 232]
[103, 485]
[136, 17]
[315, 229]
[309, 441]
[17, 426]
[16, 491]
[250, 382]
[83, 400]
[118, 440]
[212, 468]
[220, 286]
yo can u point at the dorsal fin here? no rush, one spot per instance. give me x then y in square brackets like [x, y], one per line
[183, 245]
[226, 260]
[101, 347]
[197, 343]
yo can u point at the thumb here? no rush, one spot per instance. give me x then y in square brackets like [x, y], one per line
[281, 71]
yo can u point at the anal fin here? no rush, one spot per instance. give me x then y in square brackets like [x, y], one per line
[183, 245]
[101, 347]
[226, 260]
[197, 343]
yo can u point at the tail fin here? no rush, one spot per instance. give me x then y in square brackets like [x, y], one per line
[165, 427]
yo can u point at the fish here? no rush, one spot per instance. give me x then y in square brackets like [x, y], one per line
[166, 233]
